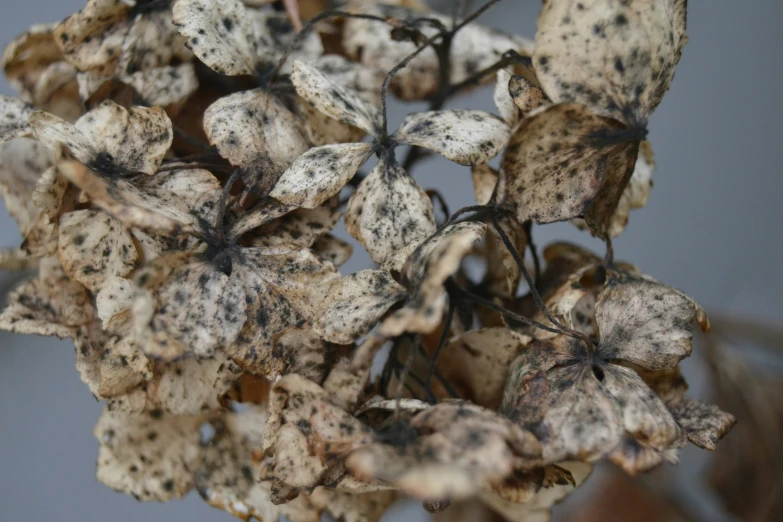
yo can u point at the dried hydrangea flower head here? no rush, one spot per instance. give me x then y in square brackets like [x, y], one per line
[178, 170]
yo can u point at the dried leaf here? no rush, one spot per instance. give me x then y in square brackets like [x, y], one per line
[466, 137]
[389, 211]
[355, 304]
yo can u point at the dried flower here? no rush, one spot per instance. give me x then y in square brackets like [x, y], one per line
[178, 170]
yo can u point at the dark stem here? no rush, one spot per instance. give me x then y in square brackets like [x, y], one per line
[533, 290]
[456, 290]
[389, 77]
[478, 12]
[609, 256]
[533, 250]
[479, 210]
[406, 370]
[438, 197]
[509, 58]
[445, 89]
[219, 227]
[190, 140]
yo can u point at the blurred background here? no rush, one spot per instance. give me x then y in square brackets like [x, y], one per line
[712, 228]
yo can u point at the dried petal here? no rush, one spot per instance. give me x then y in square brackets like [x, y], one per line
[301, 227]
[503, 99]
[109, 365]
[353, 507]
[49, 305]
[94, 247]
[389, 211]
[159, 86]
[474, 48]
[22, 163]
[625, 59]
[355, 304]
[451, 450]
[466, 137]
[553, 168]
[526, 96]
[478, 362]
[111, 139]
[198, 309]
[425, 272]
[703, 424]
[14, 118]
[234, 40]
[332, 249]
[320, 173]
[333, 99]
[254, 131]
[645, 322]
[151, 457]
[113, 304]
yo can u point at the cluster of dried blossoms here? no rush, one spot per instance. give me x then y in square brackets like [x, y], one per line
[176, 170]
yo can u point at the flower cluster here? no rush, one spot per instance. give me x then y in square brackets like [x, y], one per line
[177, 167]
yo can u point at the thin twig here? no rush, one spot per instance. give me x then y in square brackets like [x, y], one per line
[454, 288]
[533, 251]
[221, 213]
[533, 290]
[389, 77]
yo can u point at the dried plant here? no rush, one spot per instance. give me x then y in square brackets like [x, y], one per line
[177, 167]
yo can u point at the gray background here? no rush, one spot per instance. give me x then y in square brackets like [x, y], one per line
[712, 228]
